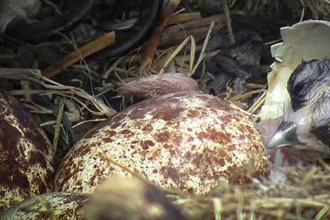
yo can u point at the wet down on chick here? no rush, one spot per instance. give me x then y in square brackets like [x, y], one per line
[306, 123]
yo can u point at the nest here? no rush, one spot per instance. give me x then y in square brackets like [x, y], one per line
[291, 193]
[299, 193]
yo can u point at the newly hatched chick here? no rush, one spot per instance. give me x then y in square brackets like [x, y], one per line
[306, 124]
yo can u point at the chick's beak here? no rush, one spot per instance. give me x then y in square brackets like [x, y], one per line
[285, 135]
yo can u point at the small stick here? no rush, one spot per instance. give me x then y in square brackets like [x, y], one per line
[84, 51]
[58, 125]
[228, 22]
[256, 105]
[185, 17]
[153, 42]
[174, 35]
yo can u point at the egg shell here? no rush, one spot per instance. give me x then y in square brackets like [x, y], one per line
[184, 141]
[26, 156]
[48, 206]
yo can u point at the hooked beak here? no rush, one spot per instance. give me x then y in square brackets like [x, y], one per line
[285, 135]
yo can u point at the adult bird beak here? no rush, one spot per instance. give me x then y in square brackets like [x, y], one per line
[285, 135]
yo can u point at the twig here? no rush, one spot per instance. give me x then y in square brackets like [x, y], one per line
[58, 125]
[185, 17]
[257, 104]
[228, 21]
[153, 42]
[84, 51]
[202, 54]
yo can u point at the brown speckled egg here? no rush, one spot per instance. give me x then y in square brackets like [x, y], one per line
[184, 141]
[26, 156]
[49, 206]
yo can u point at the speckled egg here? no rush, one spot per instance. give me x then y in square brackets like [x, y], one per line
[48, 206]
[185, 141]
[26, 156]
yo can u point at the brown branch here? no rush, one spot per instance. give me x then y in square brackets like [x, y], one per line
[174, 35]
[153, 42]
[82, 52]
[228, 21]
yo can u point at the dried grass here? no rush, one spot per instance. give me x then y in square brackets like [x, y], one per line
[303, 194]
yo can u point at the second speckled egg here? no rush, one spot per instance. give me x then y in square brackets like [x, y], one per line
[185, 141]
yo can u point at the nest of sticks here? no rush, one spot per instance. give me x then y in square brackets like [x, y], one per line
[296, 192]
[301, 193]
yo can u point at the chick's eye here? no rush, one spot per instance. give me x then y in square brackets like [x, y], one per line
[298, 95]
[300, 90]
[297, 103]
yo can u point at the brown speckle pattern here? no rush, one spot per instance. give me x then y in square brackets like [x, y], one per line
[26, 156]
[185, 141]
[49, 206]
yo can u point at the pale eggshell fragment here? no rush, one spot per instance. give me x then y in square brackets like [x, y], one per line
[26, 156]
[303, 41]
[184, 141]
[49, 206]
